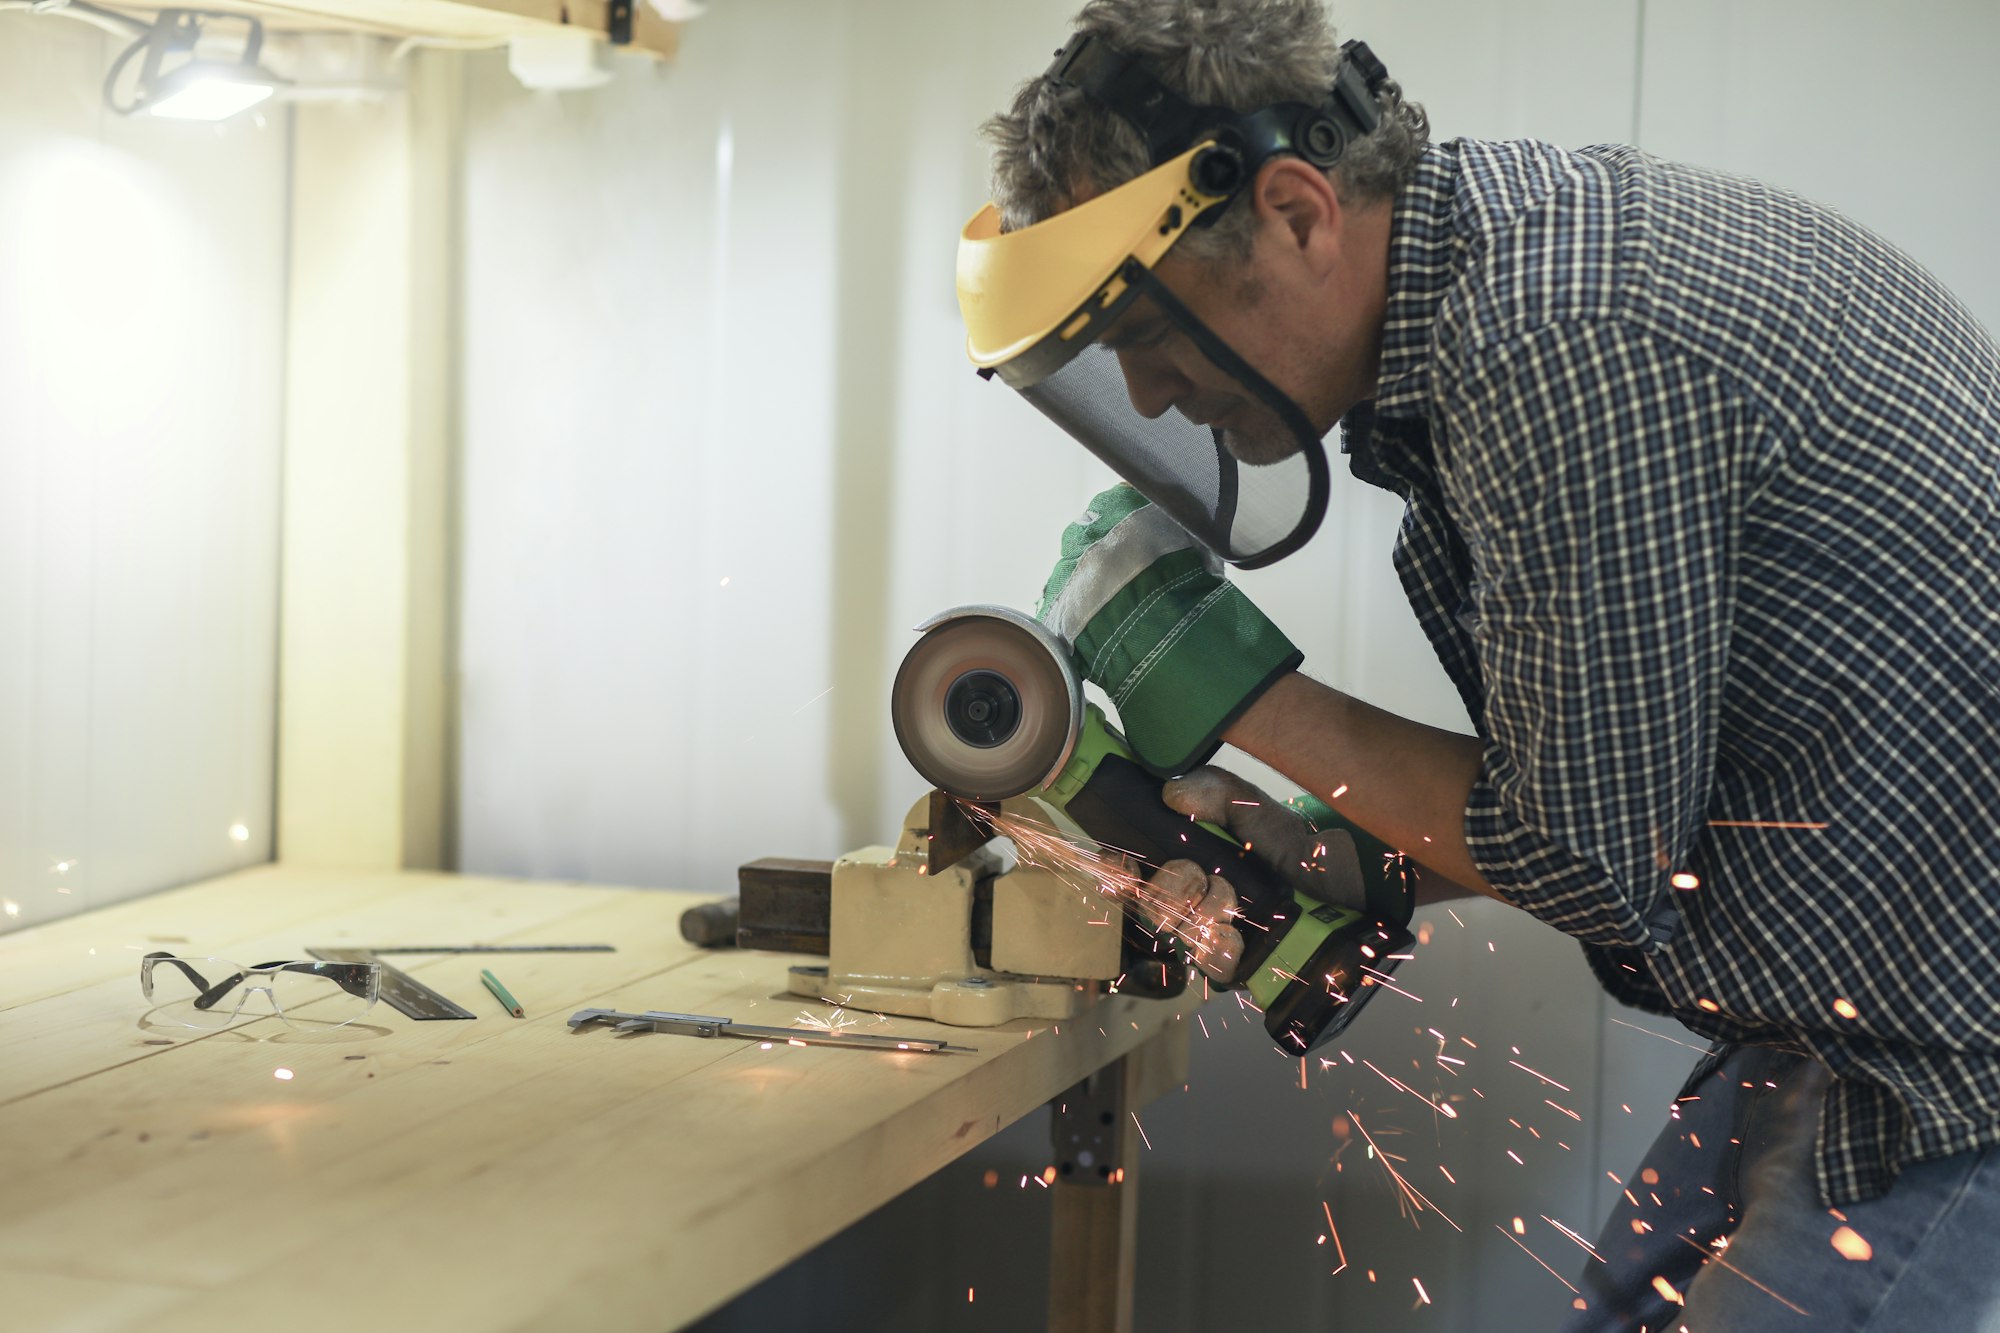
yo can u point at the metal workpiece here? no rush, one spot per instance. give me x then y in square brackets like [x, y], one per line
[705, 1025]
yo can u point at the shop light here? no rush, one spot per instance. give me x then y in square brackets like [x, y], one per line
[202, 90]
[198, 87]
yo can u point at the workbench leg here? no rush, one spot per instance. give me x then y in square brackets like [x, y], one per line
[1095, 1218]
[1093, 1239]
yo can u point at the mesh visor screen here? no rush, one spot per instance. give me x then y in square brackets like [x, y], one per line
[1248, 514]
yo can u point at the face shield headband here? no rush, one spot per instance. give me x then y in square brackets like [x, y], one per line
[1070, 313]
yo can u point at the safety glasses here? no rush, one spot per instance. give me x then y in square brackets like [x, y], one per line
[213, 993]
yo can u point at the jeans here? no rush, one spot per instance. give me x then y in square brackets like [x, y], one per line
[1930, 1242]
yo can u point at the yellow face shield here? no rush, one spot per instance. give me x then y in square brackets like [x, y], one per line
[1071, 315]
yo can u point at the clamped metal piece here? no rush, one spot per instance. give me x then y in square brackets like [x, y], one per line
[703, 1025]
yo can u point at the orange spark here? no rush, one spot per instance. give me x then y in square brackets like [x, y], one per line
[1382, 979]
[1588, 1247]
[1661, 1035]
[1335, 1232]
[1716, 1256]
[1448, 1112]
[1536, 1257]
[1543, 1077]
[1851, 1244]
[1413, 1194]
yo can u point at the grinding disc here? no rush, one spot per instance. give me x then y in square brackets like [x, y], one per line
[986, 705]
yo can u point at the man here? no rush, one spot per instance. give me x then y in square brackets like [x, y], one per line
[1701, 484]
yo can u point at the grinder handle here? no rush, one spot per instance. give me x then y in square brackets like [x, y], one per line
[1120, 806]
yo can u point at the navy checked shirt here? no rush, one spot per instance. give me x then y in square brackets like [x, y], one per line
[1701, 485]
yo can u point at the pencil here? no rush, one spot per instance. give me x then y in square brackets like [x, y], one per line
[500, 992]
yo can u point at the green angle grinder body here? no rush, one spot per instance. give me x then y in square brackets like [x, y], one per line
[987, 706]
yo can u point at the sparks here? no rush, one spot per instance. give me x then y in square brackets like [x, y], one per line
[1382, 979]
[810, 702]
[1852, 1245]
[1447, 1111]
[1334, 1231]
[1536, 1257]
[1106, 872]
[833, 1023]
[1589, 1249]
[1543, 1077]
[1411, 1193]
[1661, 1035]
[1716, 1256]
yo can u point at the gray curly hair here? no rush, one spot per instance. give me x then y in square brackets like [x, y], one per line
[1056, 145]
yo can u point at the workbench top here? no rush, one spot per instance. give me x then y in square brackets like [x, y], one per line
[495, 1173]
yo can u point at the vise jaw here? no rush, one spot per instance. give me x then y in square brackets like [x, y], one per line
[944, 925]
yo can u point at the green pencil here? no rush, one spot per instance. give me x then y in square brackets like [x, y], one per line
[500, 992]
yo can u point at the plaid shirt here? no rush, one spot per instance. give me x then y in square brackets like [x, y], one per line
[1702, 483]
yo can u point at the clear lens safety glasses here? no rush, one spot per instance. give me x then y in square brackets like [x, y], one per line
[211, 993]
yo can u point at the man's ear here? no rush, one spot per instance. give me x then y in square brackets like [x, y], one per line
[1299, 199]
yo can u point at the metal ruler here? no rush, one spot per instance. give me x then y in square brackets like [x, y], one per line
[405, 994]
[494, 948]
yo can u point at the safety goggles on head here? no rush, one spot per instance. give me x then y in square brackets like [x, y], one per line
[1072, 314]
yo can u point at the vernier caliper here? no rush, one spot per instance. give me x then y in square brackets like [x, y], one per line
[702, 1025]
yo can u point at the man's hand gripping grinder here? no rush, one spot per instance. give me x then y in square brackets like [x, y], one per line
[988, 707]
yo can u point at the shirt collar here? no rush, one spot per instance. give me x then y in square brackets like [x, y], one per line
[1422, 258]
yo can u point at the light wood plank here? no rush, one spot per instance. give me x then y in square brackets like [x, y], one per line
[266, 907]
[53, 1303]
[622, 1182]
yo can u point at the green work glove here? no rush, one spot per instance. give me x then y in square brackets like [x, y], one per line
[1148, 616]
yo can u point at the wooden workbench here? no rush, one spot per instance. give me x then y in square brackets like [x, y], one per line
[497, 1173]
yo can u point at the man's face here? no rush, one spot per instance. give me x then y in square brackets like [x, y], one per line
[1165, 371]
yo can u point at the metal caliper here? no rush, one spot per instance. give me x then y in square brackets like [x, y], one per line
[703, 1025]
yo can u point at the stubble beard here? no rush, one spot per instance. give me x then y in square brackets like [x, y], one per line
[1262, 439]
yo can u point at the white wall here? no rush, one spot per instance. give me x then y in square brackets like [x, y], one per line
[141, 335]
[710, 335]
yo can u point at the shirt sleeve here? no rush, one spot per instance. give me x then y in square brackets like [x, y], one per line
[1594, 470]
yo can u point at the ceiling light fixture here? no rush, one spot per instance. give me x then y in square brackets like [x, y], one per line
[198, 87]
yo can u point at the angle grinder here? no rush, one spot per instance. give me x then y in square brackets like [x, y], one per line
[988, 706]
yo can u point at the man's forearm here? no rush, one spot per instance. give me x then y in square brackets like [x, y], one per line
[1403, 781]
